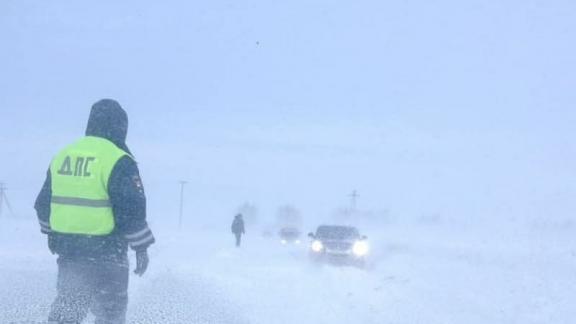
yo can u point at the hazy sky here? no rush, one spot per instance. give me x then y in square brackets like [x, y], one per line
[463, 108]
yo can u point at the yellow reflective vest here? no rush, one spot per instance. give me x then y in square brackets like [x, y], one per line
[80, 203]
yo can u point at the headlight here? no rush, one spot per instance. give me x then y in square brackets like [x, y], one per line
[317, 246]
[284, 241]
[297, 241]
[360, 248]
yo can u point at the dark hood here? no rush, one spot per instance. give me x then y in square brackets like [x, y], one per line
[108, 120]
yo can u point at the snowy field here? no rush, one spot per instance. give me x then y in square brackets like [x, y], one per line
[418, 274]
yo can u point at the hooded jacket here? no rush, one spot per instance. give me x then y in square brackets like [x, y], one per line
[109, 121]
[238, 225]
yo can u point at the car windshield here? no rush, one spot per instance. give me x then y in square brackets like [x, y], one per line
[289, 232]
[337, 232]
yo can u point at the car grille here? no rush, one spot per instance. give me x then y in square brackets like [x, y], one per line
[338, 246]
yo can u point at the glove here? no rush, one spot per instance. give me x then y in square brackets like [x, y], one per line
[142, 261]
[52, 243]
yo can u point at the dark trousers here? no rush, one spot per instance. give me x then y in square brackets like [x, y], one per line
[238, 238]
[88, 285]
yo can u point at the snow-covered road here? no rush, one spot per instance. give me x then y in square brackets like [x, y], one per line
[419, 274]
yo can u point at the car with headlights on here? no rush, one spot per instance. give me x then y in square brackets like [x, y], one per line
[339, 244]
[289, 235]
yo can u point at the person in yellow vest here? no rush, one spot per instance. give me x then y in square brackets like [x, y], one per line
[92, 207]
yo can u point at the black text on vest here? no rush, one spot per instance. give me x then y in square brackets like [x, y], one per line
[80, 166]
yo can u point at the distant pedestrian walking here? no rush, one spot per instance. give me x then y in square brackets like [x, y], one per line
[238, 228]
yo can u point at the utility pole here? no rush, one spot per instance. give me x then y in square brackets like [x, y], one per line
[353, 200]
[182, 184]
[1, 197]
[4, 199]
